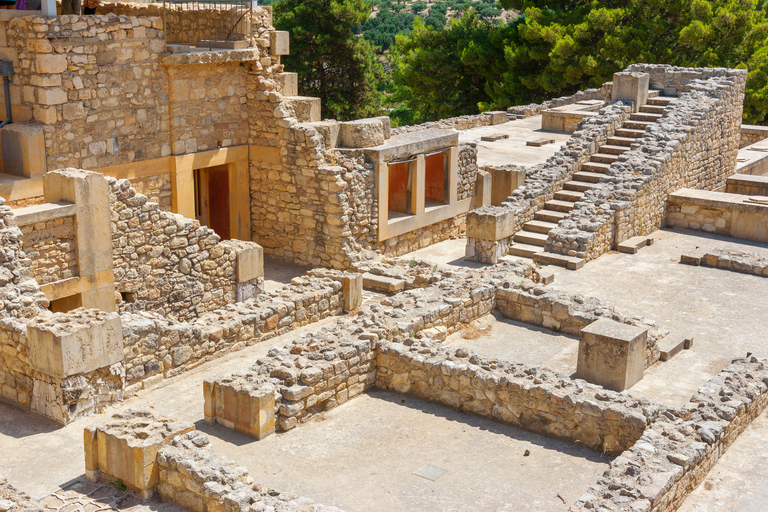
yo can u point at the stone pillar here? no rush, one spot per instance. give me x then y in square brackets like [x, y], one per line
[89, 192]
[632, 87]
[611, 354]
[244, 403]
[505, 181]
[124, 450]
[249, 263]
[352, 288]
[24, 149]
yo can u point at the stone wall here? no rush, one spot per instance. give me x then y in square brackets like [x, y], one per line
[13, 500]
[198, 479]
[489, 227]
[750, 134]
[52, 248]
[203, 22]
[447, 229]
[157, 347]
[96, 84]
[451, 123]
[563, 312]
[531, 398]
[166, 263]
[694, 145]
[157, 189]
[678, 449]
[736, 261]
[466, 182]
[535, 109]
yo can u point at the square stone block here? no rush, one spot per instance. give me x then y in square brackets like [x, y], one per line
[79, 341]
[244, 403]
[352, 288]
[125, 449]
[24, 149]
[250, 263]
[279, 42]
[497, 116]
[630, 86]
[611, 354]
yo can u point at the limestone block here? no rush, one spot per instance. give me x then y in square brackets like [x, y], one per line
[505, 180]
[250, 263]
[365, 133]
[244, 403]
[611, 354]
[492, 226]
[279, 42]
[51, 63]
[51, 96]
[352, 289]
[75, 342]
[497, 116]
[289, 83]
[306, 109]
[125, 449]
[631, 86]
[23, 149]
[330, 130]
[484, 187]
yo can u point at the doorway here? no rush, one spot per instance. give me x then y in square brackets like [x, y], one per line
[212, 199]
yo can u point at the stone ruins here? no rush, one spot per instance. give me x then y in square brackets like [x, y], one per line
[170, 208]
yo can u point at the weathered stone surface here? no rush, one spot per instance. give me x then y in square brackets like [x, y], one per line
[611, 354]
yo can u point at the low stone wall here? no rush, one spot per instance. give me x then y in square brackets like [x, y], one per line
[678, 449]
[447, 229]
[736, 261]
[531, 398]
[564, 312]
[166, 263]
[695, 145]
[535, 109]
[751, 134]
[52, 248]
[157, 347]
[489, 227]
[13, 500]
[451, 123]
[198, 479]
[747, 184]
[718, 212]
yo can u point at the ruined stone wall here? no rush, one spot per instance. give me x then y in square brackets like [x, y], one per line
[526, 397]
[164, 262]
[451, 123]
[52, 248]
[23, 203]
[14, 500]
[694, 146]
[563, 312]
[157, 189]
[157, 347]
[466, 182]
[751, 134]
[710, 219]
[678, 449]
[454, 227]
[736, 261]
[97, 85]
[205, 22]
[208, 106]
[198, 479]
[535, 109]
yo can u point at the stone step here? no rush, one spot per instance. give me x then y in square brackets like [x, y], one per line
[652, 109]
[382, 283]
[673, 343]
[636, 125]
[590, 177]
[559, 206]
[561, 260]
[524, 250]
[603, 158]
[549, 215]
[531, 238]
[654, 93]
[624, 142]
[596, 167]
[661, 101]
[630, 133]
[641, 116]
[569, 195]
[634, 244]
[578, 186]
[611, 149]
[539, 226]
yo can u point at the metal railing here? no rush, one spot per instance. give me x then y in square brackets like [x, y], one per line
[217, 24]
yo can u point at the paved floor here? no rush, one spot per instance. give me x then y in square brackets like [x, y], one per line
[513, 150]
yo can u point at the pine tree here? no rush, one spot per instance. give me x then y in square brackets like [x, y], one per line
[333, 64]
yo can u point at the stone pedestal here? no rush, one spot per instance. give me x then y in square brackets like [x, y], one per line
[505, 180]
[633, 87]
[76, 342]
[352, 289]
[244, 403]
[124, 450]
[611, 354]
[497, 116]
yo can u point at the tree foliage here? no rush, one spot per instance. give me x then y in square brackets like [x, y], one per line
[333, 64]
[557, 47]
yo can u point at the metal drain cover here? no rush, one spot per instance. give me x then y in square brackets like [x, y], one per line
[430, 472]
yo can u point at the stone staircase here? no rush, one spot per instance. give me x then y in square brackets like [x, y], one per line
[532, 238]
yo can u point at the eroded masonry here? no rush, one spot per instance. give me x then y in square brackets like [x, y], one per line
[176, 217]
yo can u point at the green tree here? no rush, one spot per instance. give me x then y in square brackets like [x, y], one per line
[442, 73]
[333, 64]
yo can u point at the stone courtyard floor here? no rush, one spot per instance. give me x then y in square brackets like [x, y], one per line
[363, 455]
